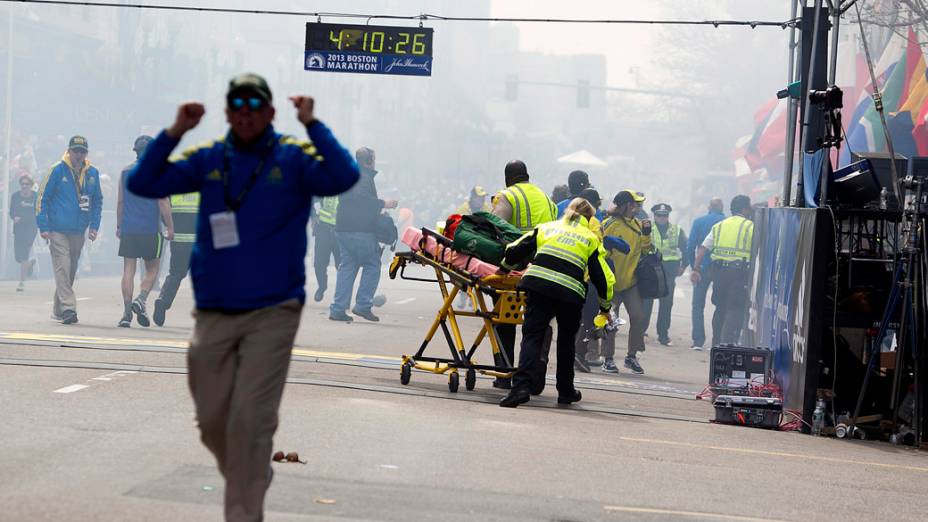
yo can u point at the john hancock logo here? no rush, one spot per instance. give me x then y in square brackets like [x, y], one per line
[408, 63]
[315, 61]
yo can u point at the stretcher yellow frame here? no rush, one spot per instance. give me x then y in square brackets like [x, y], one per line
[508, 307]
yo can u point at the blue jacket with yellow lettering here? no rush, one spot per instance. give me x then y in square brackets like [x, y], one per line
[57, 207]
[272, 183]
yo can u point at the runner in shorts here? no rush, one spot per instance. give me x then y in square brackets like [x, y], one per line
[22, 212]
[138, 228]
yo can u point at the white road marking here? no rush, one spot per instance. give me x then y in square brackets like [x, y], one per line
[689, 514]
[71, 389]
[111, 376]
[407, 300]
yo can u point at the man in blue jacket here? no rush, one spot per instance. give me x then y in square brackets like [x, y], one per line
[69, 202]
[256, 188]
[698, 233]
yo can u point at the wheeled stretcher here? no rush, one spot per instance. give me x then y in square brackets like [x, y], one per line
[457, 273]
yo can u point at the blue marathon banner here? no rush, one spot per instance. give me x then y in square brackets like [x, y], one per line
[781, 297]
[366, 63]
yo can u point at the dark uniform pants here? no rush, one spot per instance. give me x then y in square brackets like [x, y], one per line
[585, 333]
[180, 264]
[665, 304]
[324, 248]
[539, 310]
[729, 295]
[700, 290]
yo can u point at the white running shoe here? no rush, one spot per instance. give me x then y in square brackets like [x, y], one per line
[697, 348]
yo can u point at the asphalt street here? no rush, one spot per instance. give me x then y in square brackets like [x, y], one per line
[98, 425]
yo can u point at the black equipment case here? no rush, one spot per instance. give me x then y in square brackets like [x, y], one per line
[732, 369]
[756, 412]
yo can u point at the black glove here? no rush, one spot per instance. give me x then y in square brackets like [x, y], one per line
[646, 230]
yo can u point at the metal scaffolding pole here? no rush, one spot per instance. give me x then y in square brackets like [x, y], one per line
[792, 110]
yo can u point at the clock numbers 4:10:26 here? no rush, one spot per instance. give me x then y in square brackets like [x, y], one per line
[373, 42]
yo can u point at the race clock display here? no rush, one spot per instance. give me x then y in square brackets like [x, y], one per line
[368, 49]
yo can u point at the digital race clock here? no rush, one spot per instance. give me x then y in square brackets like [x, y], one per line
[370, 49]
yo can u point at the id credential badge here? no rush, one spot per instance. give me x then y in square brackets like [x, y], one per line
[84, 203]
[225, 230]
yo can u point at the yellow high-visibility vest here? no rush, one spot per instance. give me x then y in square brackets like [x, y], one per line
[668, 246]
[732, 238]
[530, 206]
[328, 209]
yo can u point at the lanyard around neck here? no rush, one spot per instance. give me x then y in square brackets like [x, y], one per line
[236, 203]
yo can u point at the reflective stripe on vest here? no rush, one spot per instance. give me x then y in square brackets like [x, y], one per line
[328, 209]
[185, 203]
[184, 238]
[732, 239]
[530, 206]
[669, 247]
[572, 242]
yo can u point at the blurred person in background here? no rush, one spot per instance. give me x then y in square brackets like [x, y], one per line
[22, 212]
[355, 226]
[138, 227]
[325, 245]
[248, 267]
[700, 229]
[184, 212]
[476, 201]
[68, 206]
[577, 181]
[670, 241]
[560, 193]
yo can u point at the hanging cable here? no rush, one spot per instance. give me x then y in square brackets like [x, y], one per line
[420, 17]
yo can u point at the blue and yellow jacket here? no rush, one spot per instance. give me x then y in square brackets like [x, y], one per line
[267, 267]
[57, 207]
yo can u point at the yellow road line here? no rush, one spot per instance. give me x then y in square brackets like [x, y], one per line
[116, 341]
[775, 454]
[692, 514]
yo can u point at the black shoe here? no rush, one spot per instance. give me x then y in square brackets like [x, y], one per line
[158, 315]
[367, 314]
[140, 314]
[632, 364]
[340, 316]
[502, 384]
[570, 398]
[320, 293]
[515, 398]
[580, 364]
[126, 321]
[68, 317]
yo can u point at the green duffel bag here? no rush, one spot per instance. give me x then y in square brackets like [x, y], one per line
[484, 236]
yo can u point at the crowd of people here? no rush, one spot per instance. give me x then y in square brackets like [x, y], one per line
[223, 205]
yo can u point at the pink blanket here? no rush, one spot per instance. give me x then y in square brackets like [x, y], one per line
[412, 237]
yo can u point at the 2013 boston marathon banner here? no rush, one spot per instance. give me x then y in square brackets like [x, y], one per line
[786, 286]
[368, 49]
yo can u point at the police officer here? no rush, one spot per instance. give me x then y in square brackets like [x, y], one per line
[670, 241]
[326, 244]
[729, 243]
[184, 210]
[561, 253]
[524, 206]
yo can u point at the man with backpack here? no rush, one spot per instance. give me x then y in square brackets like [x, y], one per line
[356, 229]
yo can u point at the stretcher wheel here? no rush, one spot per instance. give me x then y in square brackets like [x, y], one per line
[405, 373]
[453, 382]
[470, 380]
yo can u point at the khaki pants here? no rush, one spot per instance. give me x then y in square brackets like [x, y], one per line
[66, 252]
[237, 368]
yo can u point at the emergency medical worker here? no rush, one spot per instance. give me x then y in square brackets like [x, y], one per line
[326, 244]
[561, 253]
[670, 241]
[69, 205]
[138, 228]
[476, 202]
[256, 188]
[525, 206]
[184, 210]
[636, 236]
[729, 243]
[700, 229]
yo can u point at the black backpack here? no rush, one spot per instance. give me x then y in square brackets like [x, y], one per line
[652, 281]
[385, 230]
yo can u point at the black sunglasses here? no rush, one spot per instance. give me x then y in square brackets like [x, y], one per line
[253, 103]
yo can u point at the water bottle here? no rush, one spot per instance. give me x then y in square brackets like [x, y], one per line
[818, 417]
[884, 198]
